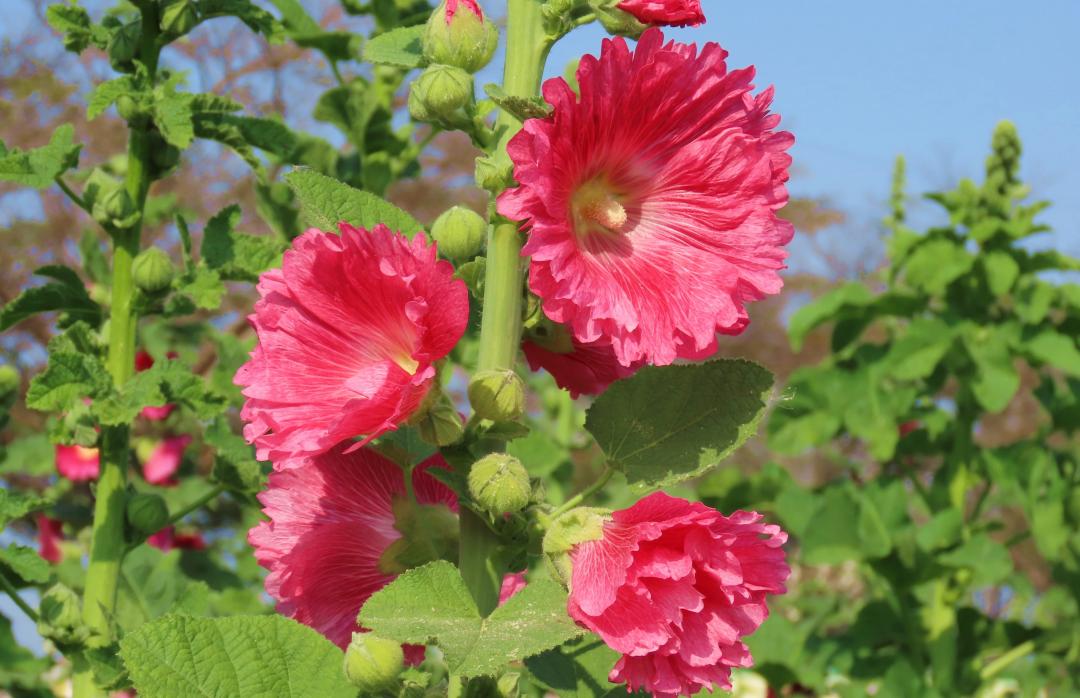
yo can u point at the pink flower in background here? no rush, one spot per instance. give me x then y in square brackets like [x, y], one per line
[168, 539]
[679, 13]
[77, 463]
[349, 330]
[674, 586]
[330, 523]
[50, 533]
[650, 202]
[143, 361]
[511, 584]
[164, 460]
[587, 369]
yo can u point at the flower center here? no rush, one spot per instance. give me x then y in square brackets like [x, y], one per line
[86, 453]
[407, 363]
[596, 206]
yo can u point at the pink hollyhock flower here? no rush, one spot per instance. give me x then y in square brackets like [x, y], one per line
[77, 463]
[511, 584]
[164, 460]
[349, 331]
[585, 369]
[330, 523]
[673, 586]
[471, 5]
[679, 13]
[168, 539]
[50, 533]
[143, 361]
[650, 202]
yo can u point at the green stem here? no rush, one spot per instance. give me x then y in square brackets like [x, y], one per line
[197, 504]
[500, 328]
[7, 586]
[991, 669]
[76, 199]
[585, 493]
[107, 545]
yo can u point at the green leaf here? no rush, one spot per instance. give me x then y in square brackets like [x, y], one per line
[941, 531]
[103, 96]
[250, 656]
[237, 256]
[1001, 271]
[174, 118]
[15, 505]
[996, 379]
[306, 32]
[19, 668]
[74, 23]
[825, 309]
[75, 371]
[521, 107]
[920, 349]
[937, 263]
[432, 604]
[846, 526]
[200, 287]
[578, 669]
[326, 202]
[399, 47]
[666, 424]
[256, 18]
[987, 559]
[25, 563]
[1055, 349]
[164, 382]
[66, 294]
[40, 166]
[234, 459]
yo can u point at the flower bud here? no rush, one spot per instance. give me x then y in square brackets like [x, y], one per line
[152, 270]
[459, 233]
[123, 45]
[574, 527]
[129, 109]
[616, 21]
[60, 616]
[494, 174]
[497, 395]
[9, 382]
[457, 34]
[147, 513]
[372, 664]
[440, 424]
[499, 483]
[439, 92]
[179, 17]
[115, 208]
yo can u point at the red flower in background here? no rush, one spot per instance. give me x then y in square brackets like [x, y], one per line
[168, 539]
[143, 361]
[349, 330]
[674, 586]
[50, 533]
[679, 13]
[77, 463]
[650, 201]
[164, 460]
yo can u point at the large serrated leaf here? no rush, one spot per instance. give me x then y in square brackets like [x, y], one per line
[521, 107]
[325, 202]
[249, 656]
[66, 294]
[669, 423]
[432, 604]
[398, 47]
[237, 256]
[102, 96]
[40, 166]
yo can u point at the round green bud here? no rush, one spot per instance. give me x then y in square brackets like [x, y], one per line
[494, 174]
[9, 381]
[439, 92]
[574, 527]
[459, 233]
[163, 155]
[499, 483]
[123, 45]
[114, 208]
[152, 270]
[497, 395]
[60, 616]
[441, 426]
[179, 17]
[372, 663]
[462, 38]
[130, 110]
[147, 513]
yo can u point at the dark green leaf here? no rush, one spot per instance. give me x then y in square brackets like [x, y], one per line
[67, 295]
[237, 256]
[25, 563]
[40, 166]
[103, 96]
[825, 309]
[399, 47]
[521, 107]
[326, 202]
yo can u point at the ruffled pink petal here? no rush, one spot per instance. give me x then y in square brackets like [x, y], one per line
[679, 13]
[587, 370]
[691, 156]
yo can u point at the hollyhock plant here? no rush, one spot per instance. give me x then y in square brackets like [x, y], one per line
[168, 539]
[50, 533]
[349, 331]
[331, 522]
[650, 201]
[674, 586]
[154, 413]
[77, 463]
[164, 460]
[679, 13]
[582, 369]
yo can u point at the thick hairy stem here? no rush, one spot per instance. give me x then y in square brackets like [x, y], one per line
[500, 329]
[107, 544]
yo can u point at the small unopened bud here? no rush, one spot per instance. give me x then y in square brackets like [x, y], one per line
[372, 663]
[494, 174]
[60, 616]
[115, 208]
[574, 527]
[179, 17]
[617, 21]
[497, 395]
[153, 271]
[129, 109]
[123, 45]
[441, 424]
[508, 684]
[499, 483]
[439, 93]
[459, 233]
[457, 34]
[147, 513]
